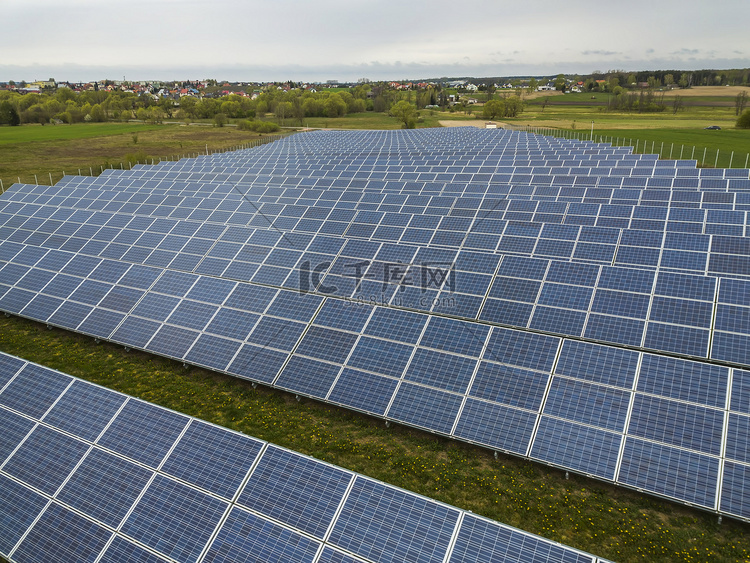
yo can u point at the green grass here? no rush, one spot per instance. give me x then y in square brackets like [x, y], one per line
[37, 133]
[605, 520]
[366, 120]
[684, 130]
[89, 147]
[675, 143]
[690, 143]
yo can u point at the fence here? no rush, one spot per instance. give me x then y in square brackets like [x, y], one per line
[128, 164]
[705, 156]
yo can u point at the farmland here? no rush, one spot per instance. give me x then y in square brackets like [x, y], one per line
[35, 150]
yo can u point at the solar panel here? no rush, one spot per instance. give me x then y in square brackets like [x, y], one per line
[384, 524]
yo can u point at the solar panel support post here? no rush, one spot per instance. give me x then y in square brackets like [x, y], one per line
[717, 159]
[704, 155]
[682, 148]
[747, 159]
[50, 178]
[670, 150]
[731, 158]
[36, 180]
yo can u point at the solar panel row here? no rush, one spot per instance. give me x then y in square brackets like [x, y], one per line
[692, 315]
[90, 474]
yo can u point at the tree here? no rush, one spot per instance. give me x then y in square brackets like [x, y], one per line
[677, 104]
[560, 83]
[335, 106]
[513, 106]
[493, 109]
[740, 101]
[9, 114]
[405, 113]
[187, 105]
[167, 105]
[65, 94]
[97, 113]
[283, 110]
[743, 122]
[533, 85]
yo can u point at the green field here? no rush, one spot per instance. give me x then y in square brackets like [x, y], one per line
[666, 133]
[39, 133]
[34, 152]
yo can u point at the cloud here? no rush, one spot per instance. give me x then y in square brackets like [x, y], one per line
[331, 39]
[601, 53]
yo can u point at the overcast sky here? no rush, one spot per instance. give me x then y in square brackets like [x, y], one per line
[318, 40]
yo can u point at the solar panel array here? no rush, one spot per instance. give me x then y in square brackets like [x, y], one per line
[560, 300]
[89, 474]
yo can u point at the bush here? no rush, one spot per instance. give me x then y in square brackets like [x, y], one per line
[139, 157]
[9, 114]
[743, 121]
[258, 126]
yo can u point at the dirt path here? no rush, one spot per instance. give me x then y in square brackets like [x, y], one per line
[466, 123]
[709, 91]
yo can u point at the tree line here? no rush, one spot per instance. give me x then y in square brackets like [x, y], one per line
[68, 106]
